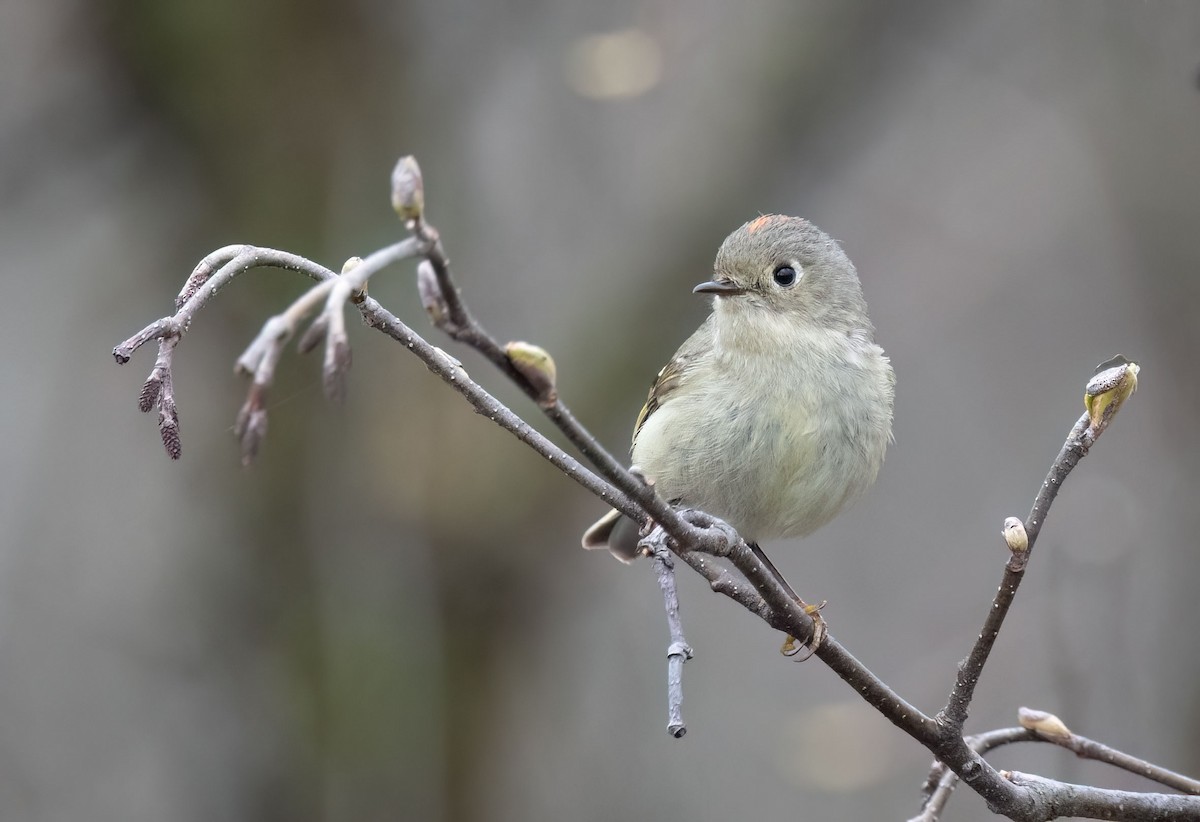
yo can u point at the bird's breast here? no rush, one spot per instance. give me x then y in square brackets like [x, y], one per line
[773, 450]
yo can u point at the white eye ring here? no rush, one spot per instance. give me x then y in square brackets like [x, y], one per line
[787, 275]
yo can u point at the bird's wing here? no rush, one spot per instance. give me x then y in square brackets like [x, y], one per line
[676, 372]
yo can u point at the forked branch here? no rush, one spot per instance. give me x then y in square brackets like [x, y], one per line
[706, 544]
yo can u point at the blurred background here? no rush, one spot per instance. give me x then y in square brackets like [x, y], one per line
[389, 616]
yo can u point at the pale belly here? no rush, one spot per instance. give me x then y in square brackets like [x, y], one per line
[770, 470]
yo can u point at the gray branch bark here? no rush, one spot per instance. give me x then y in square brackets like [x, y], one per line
[705, 543]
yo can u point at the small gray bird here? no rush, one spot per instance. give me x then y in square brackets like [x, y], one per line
[778, 410]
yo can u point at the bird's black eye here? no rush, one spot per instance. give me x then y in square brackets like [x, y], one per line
[785, 276]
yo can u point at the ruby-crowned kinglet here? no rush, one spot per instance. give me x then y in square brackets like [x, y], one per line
[778, 410]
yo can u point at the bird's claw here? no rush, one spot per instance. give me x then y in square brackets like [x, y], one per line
[791, 646]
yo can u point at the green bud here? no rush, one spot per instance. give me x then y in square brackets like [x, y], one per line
[1112, 384]
[536, 366]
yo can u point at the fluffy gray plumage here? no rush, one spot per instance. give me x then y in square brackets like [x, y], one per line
[777, 411]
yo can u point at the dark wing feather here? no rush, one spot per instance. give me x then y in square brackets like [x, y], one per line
[675, 372]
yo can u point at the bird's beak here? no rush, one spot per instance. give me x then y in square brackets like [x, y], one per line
[724, 287]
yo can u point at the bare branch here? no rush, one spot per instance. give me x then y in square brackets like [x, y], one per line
[446, 308]
[487, 405]
[1090, 749]
[948, 744]
[699, 539]
[723, 582]
[938, 788]
[1042, 727]
[678, 652]
[1053, 799]
[1047, 727]
[213, 273]
[1075, 447]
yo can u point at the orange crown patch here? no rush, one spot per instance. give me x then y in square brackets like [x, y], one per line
[762, 222]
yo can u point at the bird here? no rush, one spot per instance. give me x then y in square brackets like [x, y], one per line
[777, 412]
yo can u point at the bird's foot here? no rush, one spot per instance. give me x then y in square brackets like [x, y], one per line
[792, 646]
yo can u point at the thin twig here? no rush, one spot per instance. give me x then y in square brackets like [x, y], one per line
[678, 652]
[456, 320]
[460, 324]
[706, 536]
[785, 614]
[1086, 748]
[949, 746]
[947, 743]
[1091, 749]
[700, 540]
[939, 792]
[1054, 799]
[212, 274]
[1073, 450]
[941, 781]
[448, 310]
[488, 406]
